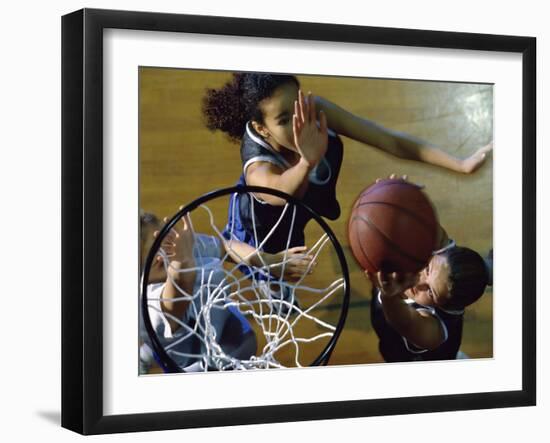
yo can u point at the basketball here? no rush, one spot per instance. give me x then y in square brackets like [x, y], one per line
[393, 227]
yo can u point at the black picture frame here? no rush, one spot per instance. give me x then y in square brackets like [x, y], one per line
[82, 218]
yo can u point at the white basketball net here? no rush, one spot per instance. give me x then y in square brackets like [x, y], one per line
[282, 326]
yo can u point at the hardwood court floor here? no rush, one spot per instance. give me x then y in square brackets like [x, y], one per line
[181, 160]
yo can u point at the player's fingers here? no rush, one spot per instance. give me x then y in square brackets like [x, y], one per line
[310, 261]
[296, 261]
[297, 110]
[295, 273]
[296, 130]
[169, 237]
[186, 222]
[168, 245]
[305, 263]
[301, 106]
[382, 280]
[404, 177]
[312, 117]
[299, 271]
[297, 249]
[297, 114]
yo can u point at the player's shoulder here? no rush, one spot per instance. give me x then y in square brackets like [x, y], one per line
[255, 149]
[252, 142]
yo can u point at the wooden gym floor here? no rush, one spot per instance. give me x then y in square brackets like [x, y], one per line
[181, 160]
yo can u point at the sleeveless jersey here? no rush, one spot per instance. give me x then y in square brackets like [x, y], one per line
[395, 348]
[320, 196]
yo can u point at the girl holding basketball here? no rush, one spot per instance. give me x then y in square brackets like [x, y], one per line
[290, 142]
[420, 317]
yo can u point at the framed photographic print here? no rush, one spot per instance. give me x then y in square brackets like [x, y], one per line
[270, 221]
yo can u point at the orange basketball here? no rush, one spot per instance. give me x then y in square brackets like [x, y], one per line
[393, 227]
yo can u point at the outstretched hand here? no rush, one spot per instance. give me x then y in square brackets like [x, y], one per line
[476, 160]
[298, 263]
[310, 140]
[178, 243]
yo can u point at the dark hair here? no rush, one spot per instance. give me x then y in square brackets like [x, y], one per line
[231, 106]
[467, 276]
[146, 218]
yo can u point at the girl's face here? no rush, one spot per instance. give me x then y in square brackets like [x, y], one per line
[432, 288]
[278, 111]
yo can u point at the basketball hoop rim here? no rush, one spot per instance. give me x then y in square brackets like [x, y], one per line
[168, 364]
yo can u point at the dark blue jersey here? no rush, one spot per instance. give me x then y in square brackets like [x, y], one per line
[320, 196]
[395, 348]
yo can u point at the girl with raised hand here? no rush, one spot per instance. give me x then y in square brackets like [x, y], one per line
[290, 142]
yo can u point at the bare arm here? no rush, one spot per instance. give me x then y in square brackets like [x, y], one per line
[293, 181]
[418, 327]
[185, 281]
[298, 262]
[397, 143]
[178, 245]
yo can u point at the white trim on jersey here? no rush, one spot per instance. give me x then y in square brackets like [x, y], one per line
[280, 161]
[266, 145]
[450, 245]
[453, 312]
[262, 158]
[313, 174]
[422, 308]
